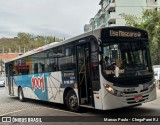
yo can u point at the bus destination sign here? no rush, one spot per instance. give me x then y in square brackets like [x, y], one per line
[114, 33]
[120, 33]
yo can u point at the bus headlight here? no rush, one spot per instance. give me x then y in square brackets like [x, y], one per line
[110, 89]
[113, 91]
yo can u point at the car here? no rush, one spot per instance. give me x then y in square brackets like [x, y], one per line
[2, 83]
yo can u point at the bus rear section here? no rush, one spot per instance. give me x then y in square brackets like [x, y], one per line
[49, 86]
[127, 77]
[67, 73]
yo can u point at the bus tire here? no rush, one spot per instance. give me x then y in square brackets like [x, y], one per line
[20, 94]
[72, 101]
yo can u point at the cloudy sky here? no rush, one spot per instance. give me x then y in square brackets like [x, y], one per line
[62, 18]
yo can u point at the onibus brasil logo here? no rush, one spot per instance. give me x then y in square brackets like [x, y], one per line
[38, 83]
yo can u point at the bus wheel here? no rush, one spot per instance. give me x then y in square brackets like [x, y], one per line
[20, 94]
[72, 101]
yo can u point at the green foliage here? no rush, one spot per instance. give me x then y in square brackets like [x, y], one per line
[131, 20]
[149, 21]
[25, 42]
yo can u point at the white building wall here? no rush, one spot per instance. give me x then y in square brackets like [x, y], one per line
[131, 7]
[113, 15]
[120, 22]
[151, 2]
[158, 4]
[131, 2]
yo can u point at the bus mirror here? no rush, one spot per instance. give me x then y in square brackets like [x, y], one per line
[99, 42]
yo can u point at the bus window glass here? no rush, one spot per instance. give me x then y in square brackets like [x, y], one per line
[51, 61]
[67, 58]
[35, 68]
[94, 46]
[128, 57]
[95, 66]
[39, 62]
[21, 67]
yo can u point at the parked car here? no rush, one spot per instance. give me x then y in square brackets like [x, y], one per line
[2, 81]
[157, 76]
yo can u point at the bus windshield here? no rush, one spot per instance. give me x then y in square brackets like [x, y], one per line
[126, 59]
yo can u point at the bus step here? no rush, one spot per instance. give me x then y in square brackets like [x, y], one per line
[87, 106]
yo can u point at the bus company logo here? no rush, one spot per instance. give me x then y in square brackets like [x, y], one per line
[38, 83]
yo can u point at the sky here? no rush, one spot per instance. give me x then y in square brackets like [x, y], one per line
[61, 18]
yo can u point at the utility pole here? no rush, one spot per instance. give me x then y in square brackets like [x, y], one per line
[19, 49]
[24, 50]
[3, 50]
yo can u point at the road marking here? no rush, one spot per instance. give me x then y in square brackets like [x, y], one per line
[39, 107]
[16, 111]
[64, 111]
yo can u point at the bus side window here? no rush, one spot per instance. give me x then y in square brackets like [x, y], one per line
[41, 68]
[36, 68]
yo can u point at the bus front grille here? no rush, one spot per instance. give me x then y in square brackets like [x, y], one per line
[133, 101]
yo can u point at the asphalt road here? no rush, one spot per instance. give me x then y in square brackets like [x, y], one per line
[58, 114]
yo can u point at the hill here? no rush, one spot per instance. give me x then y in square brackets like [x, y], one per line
[25, 42]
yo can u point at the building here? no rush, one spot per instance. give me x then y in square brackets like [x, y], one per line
[86, 27]
[110, 13]
[4, 57]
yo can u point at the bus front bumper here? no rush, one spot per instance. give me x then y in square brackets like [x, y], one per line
[113, 102]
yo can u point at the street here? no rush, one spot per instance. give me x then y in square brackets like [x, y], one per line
[11, 106]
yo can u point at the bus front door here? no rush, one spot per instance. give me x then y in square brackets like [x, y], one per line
[10, 79]
[83, 73]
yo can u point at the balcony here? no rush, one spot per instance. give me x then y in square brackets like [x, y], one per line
[102, 25]
[92, 21]
[111, 7]
[110, 25]
[102, 14]
[97, 23]
[112, 17]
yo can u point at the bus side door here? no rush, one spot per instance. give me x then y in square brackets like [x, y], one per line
[84, 73]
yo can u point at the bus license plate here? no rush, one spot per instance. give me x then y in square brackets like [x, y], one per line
[138, 98]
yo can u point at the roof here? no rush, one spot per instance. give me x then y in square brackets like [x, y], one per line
[7, 56]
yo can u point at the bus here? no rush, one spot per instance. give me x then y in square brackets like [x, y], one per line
[104, 69]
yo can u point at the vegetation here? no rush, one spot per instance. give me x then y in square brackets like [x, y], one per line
[25, 42]
[149, 21]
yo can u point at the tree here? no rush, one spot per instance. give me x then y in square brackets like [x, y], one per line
[149, 21]
[25, 41]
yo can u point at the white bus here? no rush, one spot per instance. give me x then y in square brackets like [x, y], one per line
[104, 69]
